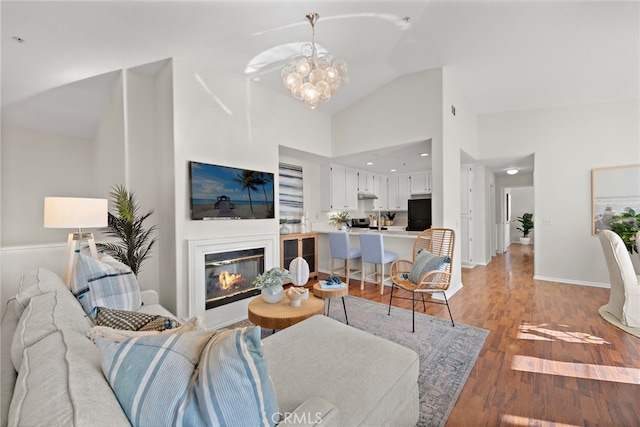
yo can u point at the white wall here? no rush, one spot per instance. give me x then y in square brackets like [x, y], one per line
[568, 142]
[142, 151]
[109, 157]
[166, 189]
[406, 110]
[36, 165]
[223, 119]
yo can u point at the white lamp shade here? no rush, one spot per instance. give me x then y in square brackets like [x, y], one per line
[74, 212]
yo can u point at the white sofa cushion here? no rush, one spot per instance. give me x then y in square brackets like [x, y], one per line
[193, 378]
[45, 315]
[370, 382]
[60, 381]
[37, 282]
[105, 283]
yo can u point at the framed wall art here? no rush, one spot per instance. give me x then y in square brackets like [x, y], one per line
[291, 195]
[614, 190]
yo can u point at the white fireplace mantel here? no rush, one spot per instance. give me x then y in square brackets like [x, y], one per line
[197, 282]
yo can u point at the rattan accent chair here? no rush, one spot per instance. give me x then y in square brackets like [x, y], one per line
[440, 242]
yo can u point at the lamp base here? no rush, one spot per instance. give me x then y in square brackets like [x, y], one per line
[73, 243]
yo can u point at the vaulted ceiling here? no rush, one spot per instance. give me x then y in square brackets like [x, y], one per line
[503, 55]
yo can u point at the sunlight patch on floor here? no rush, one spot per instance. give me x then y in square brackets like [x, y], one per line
[514, 420]
[576, 370]
[552, 332]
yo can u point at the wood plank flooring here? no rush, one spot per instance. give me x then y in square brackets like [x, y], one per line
[549, 359]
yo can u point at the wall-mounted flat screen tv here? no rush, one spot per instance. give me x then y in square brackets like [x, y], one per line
[222, 192]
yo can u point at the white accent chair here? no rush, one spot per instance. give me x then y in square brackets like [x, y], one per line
[624, 297]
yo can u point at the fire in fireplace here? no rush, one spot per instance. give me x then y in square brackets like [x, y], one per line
[229, 275]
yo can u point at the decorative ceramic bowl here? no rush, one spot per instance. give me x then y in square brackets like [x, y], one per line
[296, 295]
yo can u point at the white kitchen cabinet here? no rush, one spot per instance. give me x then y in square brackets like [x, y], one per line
[466, 241]
[398, 192]
[344, 188]
[380, 189]
[366, 182]
[466, 190]
[466, 217]
[420, 183]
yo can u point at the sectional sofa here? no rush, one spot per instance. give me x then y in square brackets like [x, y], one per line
[322, 371]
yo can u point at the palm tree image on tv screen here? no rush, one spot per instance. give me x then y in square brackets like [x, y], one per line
[223, 192]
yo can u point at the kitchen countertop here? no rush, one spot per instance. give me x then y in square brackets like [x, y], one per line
[386, 233]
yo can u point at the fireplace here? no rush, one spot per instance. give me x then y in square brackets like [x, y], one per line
[229, 275]
[221, 274]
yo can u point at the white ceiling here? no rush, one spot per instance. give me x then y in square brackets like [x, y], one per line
[503, 55]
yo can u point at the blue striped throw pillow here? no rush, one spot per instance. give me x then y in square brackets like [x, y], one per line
[105, 283]
[199, 378]
[425, 262]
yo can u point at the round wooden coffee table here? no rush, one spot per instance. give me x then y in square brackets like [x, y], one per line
[282, 314]
[321, 292]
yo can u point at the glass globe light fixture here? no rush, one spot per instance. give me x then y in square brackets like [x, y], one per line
[315, 77]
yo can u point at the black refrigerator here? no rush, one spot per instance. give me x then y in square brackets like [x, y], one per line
[419, 215]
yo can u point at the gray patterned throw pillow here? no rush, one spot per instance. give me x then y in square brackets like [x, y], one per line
[425, 262]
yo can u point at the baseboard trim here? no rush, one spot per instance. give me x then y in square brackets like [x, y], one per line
[572, 282]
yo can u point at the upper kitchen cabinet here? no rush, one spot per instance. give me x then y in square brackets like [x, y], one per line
[366, 182]
[343, 194]
[420, 183]
[380, 189]
[398, 192]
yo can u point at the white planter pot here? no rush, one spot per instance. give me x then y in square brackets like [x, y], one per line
[272, 294]
[525, 240]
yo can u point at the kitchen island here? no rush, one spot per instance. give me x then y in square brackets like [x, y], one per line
[398, 241]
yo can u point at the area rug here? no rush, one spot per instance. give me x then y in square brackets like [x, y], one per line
[611, 319]
[447, 354]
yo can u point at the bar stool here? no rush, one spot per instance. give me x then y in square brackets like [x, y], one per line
[341, 249]
[373, 252]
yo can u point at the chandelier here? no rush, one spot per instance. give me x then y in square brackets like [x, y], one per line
[315, 77]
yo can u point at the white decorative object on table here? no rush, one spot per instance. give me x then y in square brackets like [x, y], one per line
[296, 295]
[299, 270]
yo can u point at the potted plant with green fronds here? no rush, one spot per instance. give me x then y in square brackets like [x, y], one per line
[339, 219]
[271, 284]
[526, 222]
[136, 241]
[390, 217]
[626, 225]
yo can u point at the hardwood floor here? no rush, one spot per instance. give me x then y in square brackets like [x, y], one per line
[549, 359]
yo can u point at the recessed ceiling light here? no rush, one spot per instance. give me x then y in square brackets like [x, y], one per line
[424, 154]
[512, 171]
[369, 163]
[392, 170]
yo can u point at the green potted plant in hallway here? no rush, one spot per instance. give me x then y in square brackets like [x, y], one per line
[526, 225]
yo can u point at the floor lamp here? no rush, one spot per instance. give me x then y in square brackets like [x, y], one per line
[74, 212]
